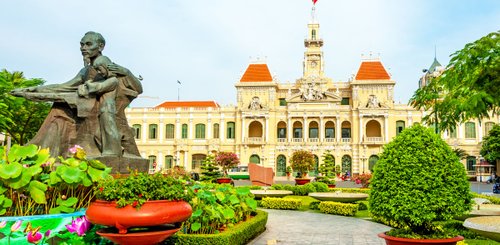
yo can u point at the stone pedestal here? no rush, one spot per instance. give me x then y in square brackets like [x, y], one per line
[125, 164]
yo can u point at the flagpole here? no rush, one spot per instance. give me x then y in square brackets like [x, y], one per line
[178, 90]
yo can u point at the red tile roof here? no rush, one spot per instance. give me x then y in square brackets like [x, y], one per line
[257, 73]
[175, 104]
[372, 70]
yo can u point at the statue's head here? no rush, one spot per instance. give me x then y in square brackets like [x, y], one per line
[91, 46]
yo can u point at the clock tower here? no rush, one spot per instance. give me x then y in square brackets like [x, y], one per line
[313, 56]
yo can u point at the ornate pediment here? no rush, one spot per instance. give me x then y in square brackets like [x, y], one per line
[311, 92]
[373, 103]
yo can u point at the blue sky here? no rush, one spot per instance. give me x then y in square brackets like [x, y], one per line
[207, 45]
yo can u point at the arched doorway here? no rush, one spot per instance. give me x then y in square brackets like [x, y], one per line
[255, 129]
[347, 164]
[281, 166]
[197, 161]
[255, 159]
[372, 161]
[373, 129]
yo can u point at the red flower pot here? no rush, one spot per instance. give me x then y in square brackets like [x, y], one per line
[151, 213]
[143, 238]
[331, 185]
[224, 180]
[390, 240]
[299, 181]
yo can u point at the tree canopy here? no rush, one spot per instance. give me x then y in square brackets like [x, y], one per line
[491, 145]
[469, 86]
[20, 118]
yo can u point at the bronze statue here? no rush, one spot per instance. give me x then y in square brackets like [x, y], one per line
[89, 110]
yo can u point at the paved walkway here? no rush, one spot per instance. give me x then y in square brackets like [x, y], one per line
[288, 227]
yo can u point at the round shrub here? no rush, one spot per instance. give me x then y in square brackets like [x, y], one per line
[418, 180]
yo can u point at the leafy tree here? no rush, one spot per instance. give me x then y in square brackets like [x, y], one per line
[20, 118]
[327, 169]
[302, 161]
[470, 83]
[461, 153]
[491, 145]
[429, 98]
[209, 171]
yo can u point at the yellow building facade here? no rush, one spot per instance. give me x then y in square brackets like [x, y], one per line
[350, 120]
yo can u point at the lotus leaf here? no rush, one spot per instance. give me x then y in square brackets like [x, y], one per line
[37, 191]
[11, 171]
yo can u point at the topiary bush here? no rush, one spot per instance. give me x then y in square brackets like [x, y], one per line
[346, 209]
[419, 180]
[280, 203]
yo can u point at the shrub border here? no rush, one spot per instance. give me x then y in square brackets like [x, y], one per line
[239, 234]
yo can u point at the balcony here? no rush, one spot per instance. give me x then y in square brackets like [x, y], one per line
[282, 140]
[345, 140]
[254, 141]
[313, 140]
[374, 140]
[329, 140]
[297, 140]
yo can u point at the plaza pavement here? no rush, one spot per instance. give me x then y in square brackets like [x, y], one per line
[289, 227]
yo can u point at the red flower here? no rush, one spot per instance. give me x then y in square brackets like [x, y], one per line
[135, 204]
[101, 189]
[140, 195]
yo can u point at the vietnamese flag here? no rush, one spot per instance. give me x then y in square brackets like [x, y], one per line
[314, 1]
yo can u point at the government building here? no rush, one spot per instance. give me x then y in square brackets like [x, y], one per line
[351, 120]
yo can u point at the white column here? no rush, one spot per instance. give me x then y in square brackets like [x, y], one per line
[289, 129]
[160, 164]
[161, 130]
[178, 128]
[186, 161]
[222, 129]
[243, 128]
[190, 133]
[361, 128]
[267, 128]
[305, 132]
[460, 132]
[144, 132]
[386, 125]
[209, 129]
[480, 132]
[321, 129]
[338, 129]
[177, 158]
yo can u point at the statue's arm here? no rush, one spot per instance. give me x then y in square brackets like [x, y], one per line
[68, 86]
[132, 81]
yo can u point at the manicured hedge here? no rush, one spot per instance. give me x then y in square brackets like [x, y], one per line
[492, 199]
[280, 203]
[346, 209]
[352, 190]
[302, 190]
[239, 234]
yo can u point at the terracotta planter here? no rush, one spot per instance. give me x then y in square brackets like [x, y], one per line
[151, 213]
[149, 237]
[389, 240]
[224, 180]
[299, 181]
[331, 185]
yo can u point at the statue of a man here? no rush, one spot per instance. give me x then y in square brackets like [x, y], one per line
[88, 110]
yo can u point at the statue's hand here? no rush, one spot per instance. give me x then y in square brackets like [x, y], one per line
[83, 91]
[20, 91]
[117, 69]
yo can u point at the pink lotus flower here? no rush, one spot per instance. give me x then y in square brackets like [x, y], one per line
[34, 237]
[16, 226]
[3, 224]
[79, 225]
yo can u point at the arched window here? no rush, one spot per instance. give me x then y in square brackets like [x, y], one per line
[200, 131]
[297, 130]
[346, 130]
[169, 131]
[281, 130]
[153, 131]
[372, 161]
[470, 130]
[152, 162]
[471, 162]
[329, 130]
[400, 126]
[137, 131]
[487, 127]
[347, 165]
[255, 129]
[313, 130]
[184, 131]
[216, 131]
[197, 161]
[313, 34]
[255, 159]
[169, 161]
[230, 130]
[281, 165]
[373, 129]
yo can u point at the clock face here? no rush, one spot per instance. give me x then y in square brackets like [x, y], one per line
[313, 64]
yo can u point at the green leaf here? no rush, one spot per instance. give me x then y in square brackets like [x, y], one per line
[220, 196]
[20, 181]
[61, 209]
[195, 226]
[43, 156]
[54, 178]
[10, 171]
[96, 174]
[197, 213]
[228, 213]
[97, 164]
[83, 166]
[37, 191]
[243, 191]
[251, 203]
[23, 152]
[234, 199]
[70, 202]
[70, 175]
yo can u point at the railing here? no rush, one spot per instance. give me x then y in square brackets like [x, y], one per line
[313, 140]
[297, 140]
[329, 140]
[346, 140]
[281, 140]
[254, 140]
[374, 139]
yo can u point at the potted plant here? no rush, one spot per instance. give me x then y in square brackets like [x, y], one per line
[363, 179]
[417, 181]
[327, 170]
[140, 200]
[40, 195]
[302, 161]
[226, 160]
[288, 171]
